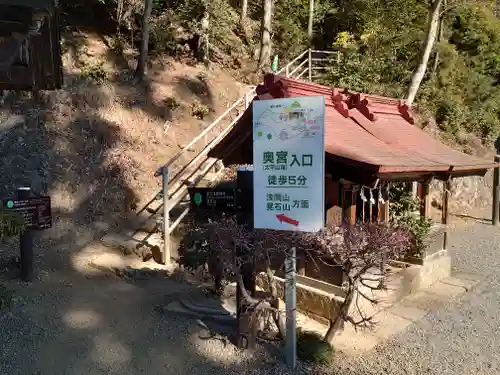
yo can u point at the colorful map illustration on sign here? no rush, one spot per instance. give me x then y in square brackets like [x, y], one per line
[288, 158]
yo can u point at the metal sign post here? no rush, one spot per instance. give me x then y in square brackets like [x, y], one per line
[291, 307]
[289, 179]
[26, 242]
[36, 214]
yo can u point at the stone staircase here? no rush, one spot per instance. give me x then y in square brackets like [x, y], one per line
[142, 235]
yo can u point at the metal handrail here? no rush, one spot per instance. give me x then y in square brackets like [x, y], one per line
[298, 67]
[287, 66]
[201, 162]
[324, 51]
[202, 134]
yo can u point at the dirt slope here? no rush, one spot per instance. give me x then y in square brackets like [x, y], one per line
[94, 145]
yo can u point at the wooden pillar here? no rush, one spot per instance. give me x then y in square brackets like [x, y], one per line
[383, 208]
[334, 206]
[445, 214]
[425, 202]
[348, 205]
[496, 194]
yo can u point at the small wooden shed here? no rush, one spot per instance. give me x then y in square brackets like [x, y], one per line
[369, 140]
[30, 52]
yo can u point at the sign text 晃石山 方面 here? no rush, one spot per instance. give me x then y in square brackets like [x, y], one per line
[288, 158]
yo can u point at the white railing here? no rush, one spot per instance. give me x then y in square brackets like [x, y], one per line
[176, 176]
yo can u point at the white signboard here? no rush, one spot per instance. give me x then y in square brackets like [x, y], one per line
[288, 159]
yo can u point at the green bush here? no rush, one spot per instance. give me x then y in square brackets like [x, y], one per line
[172, 103]
[163, 31]
[312, 348]
[5, 296]
[95, 72]
[382, 42]
[402, 208]
[223, 18]
[10, 226]
[202, 76]
[200, 110]
[117, 45]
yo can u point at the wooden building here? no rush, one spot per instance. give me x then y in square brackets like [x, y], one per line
[369, 142]
[30, 51]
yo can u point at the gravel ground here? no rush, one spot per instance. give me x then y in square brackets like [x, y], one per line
[69, 324]
[461, 336]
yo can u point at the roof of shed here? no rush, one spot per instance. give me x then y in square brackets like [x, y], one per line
[366, 131]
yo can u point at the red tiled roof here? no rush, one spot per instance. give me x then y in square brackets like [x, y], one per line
[367, 131]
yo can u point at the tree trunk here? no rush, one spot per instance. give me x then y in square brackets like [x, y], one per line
[277, 317]
[439, 38]
[244, 11]
[418, 74]
[143, 55]
[203, 42]
[310, 24]
[337, 323]
[265, 40]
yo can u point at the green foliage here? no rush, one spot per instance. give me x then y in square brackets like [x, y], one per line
[172, 103]
[94, 72]
[381, 44]
[163, 31]
[195, 248]
[312, 348]
[11, 225]
[200, 110]
[223, 18]
[402, 208]
[290, 24]
[118, 44]
[5, 296]
[202, 76]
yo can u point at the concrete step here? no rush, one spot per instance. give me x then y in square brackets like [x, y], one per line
[207, 180]
[130, 242]
[130, 267]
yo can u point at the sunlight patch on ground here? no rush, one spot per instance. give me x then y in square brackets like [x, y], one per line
[109, 353]
[81, 260]
[205, 348]
[82, 319]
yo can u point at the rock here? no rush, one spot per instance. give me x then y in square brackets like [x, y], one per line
[467, 193]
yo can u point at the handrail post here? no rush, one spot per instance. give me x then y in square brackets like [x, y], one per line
[496, 193]
[287, 72]
[246, 100]
[165, 255]
[310, 65]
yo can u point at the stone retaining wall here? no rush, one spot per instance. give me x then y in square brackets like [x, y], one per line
[467, 193]
[322, 300]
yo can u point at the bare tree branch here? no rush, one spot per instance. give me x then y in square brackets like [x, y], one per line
[360, 252]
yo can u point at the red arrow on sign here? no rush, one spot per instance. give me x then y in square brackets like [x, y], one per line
[286, 219]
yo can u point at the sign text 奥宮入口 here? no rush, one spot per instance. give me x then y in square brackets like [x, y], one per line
[288, 158]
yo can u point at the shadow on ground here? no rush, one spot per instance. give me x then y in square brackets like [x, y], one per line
[482, 220]
[93, 326]
[69, 323]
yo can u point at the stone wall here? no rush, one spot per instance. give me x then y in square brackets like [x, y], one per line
[467, 193]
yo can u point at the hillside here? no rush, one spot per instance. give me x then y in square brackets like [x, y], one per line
[94, 145]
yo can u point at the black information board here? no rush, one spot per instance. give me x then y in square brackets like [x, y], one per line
[36, 211]
[213, 198]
